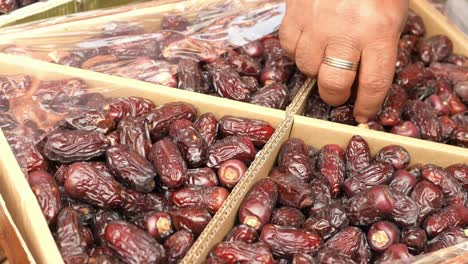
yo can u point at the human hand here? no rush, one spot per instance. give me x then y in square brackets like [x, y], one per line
[365, 31]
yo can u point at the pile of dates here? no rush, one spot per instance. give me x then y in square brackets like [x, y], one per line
[429, 97]
[120, 180]
[345, 206]
[190, 55]
[7, 6]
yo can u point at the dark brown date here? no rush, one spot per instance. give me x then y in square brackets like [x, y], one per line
[448, 127]
[242, 233]
[460, 137]
[131, 168]
[118, 108]
[429, 198]
[382, 235]
[228, 83]
[350, 241]
[395, 155]
[85, 182]
[396, 252]
[191, 143]
[453, 236]
[321, 193]
[244, 65]
[370, 206]
[286, 241]
[75, 145]
[409, 129]
[460, 173]
[358, 155]
[423, 117]
[231, 172]
[406, 210]
[331, 164]
[435, 48]
[293, 191]
[211, 198]
[287, 216]
[191, 218]
[158, 225]
[91, 121]
[103, 259]
[132, 244]
[135, 203]
[449, 71]
[160, 119]
[301, 258]
[330, 256]
[169, 163]
[178, 245]
[403, 182]
[101, 219]
[254, 49]
[114, 137]
[327, 220]
[453, 191]
[258, 131]
[295, 84]
[317, 108]
[207, 125]
[258, 204]
[232, 147]
[411, 76]
[133, 132]
[294, 158]
[274, 95]
[239, 252]
[48, 196]
[71, 237]
[414, 238]
[190, 77]
[376, 174]
[343, 114]
[414, 25]
[86, 211]
[202, 177]
[452, 215]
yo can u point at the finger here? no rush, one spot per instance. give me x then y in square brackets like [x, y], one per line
[291, 28]
[309, 53]
[375, 78]
[335, 83]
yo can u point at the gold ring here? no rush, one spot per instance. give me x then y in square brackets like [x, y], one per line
[341, 64]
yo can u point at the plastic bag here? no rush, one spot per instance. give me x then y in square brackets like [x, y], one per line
[234, 44]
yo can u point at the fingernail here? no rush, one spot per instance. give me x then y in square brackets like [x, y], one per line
[361, 119]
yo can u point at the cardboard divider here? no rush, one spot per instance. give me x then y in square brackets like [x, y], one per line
[19, 197]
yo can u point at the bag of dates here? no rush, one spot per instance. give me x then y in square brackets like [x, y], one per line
[227, 49]
[345, 205]
[121, 179]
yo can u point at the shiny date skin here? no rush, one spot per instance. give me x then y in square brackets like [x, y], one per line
[414, 238]
[375, 174]
[134, 202]
[406, 211]
[421, 115]
[211, 198]
[286, 241]
[258, 131]
[178, 245]
[452, 236]
[293, 192]
[453, 191]
[274, 95]
[382, 235]
[207, 126]
[232, 147]
[71, 237]
[429, 197]
[403, 182]
[190, 77]
[331, 164]
[202, 177]
[131, 168]
[396, 155]
[357, 155]
[118, 108]
[294, 158]
[460, 173]
[169, 163]
[101, 219]
[228, 84]
[158, 225]
[192, 218]
[396, 252]
[258, 204]
[48, 196]
[132, 244]
[350, 241]
[242, 233]
[321, 193]
[452, 215]
[233, 252]
[85, 182]
[287, 216]
[91, 121]
[133, 132]
[327, 221]
[75, 145]
[191, 143]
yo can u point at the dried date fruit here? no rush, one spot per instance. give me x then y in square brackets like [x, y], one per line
[293, 191]
[414, 25]
[278, 68]
[47, 194]
[228, 84]
[85, 182]
[294, 158]
[453, 236]
[71, 237]
[231, 172]
[286, 241]
[395, 155]
[461, 90]
[382, 235]
[461, 119]
[103, 259]
[343, 114]
[214, 260]
[460, 137]
[449, 71]
[191, 218]
[408, 43]
[423, 117]
[371, 205]
[178, 245]
[132, 244]
[317, 108]
[191, 143]
[403, 182]
[244, 65]
[452, 215]
[75, 145]
[258, 204]
[457, 59]
[250, 83]
[274, 95]
[437, 105]
[406, 210]
[91, 121]
[330, 256]
[287, 216]
[358, 155]
[429, 198]
[403, 59]
[232, 252]
[101, 219]
[253, 48]
[134, 47]
[174, 22]
[131, 168]
[375, 174]
[190, 77]
[412, 75]
[414, 238]
[202, 177]
[242, 233]
[133, 132]
[331, 164]
[169, 163]
[301, 258]
[350, 241]
[321, 193]
[258, 131]
[59, 95]
[232, 147]
[135, 203]
[453, 191]
[158, 225]
[327, 221]
[409, 129]
[211, 198]
[207, 125]
[86, 211]
[396, 252]
[435, 48]
[295, 84]
[460, 173]
[160, 119]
